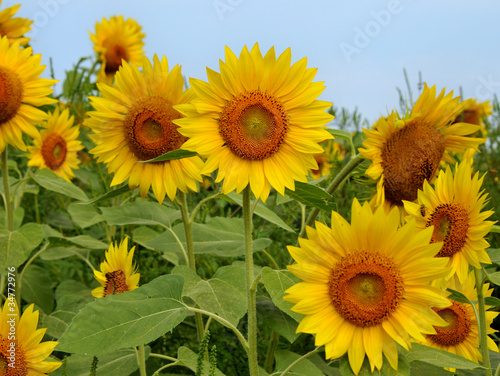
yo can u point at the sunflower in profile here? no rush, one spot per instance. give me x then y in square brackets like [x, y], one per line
[133, 122]
[117, 273]
[475, 113]
[57, 145]
[333, 152]
[14, 27]
[406, 152]
[454, 209]
[461, 335]
[20, 91]
[28, 350]
[115, 40]
[365, 285]
[257, 121]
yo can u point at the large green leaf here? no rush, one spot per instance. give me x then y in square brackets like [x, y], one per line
[304, 368]
[439, 358]
[47, 179]
[140, 212]
[84, 215]
[16, 246]
[386, 370]
[277, 320]
[190, 276]
[37, 288]
[82, 241]
[311, 195]
[189, 359]
[426, 369]
[174, 154]
[126, 320]
[344, 135]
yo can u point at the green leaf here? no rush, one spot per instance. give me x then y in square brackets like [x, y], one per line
[495, 229]
[494, 254]
[140, 212]
[439, 358]
[277, 320]
[344, 135]
[386, 370]
[37, 288]
[458, 296]
[493, 277]
[47, 179]
[174, 154]
[126, 320]
[304, 368]
[276, 283]
[261, 210]
[82, 241]
[189, 275]
[84, 215]
[109, 195]
[492, 301]
[189, 359]
[311, 195]
[425, 369]
[18, 217]
[59, 253]
[16, 246]
[224, 294]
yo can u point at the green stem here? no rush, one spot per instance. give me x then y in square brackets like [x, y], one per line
[497, 372]
[19, 281]
[289, 368]
[9, 208]
[483, 336]
[161, 356]
[271, 348]
[341, 176]
[252, 309]
[200, 204]
[141, 360]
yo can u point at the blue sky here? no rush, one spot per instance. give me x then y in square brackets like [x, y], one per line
[360, 48]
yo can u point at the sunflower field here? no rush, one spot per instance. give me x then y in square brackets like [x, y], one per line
[154, 224]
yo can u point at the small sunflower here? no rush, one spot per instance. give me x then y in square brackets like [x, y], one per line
[115, 40]
[20, 91]
[14, 27]
[333, 152]
[461, 335]
[406, 152]
[57, 146]
[258, 121]
[365, 285]
[117, 273]
[475, 113]
[21, 350]
[453, 208]
[133, 122]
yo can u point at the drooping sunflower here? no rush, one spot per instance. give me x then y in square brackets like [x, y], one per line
[115, 40]
[133, 122]
[20, 343]
[117, 273]
[57, 145]
[333, 152]
[408, 151]
[365, 285]
[20, 91]
[258, 121]
[461, 335]
[14, 27]
[453, 207]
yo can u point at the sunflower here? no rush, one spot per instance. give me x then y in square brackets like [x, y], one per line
[57, 146]
[133, 122]
[364, 286]
[474, 113]
[14, 27]
[117, 273]
[461, 335]
[21, 353]
[258, 121]
[333, 152]
[453, 208]
[406, 152]
[20, 91]
[116, 40]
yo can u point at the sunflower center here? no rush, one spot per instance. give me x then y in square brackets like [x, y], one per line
[149, 130]
[410, 156]
[54, 151]
[458, 328]
[253, 125]
[451, 223]
[11, 94]
[12, 358]
[114, 56]
[116, 282]
[365, 288]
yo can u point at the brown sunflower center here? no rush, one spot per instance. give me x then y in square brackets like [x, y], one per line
[54, 151]
[365, 288]
[114, 56]
[11, 94]
[410, 156]
[253, 125]
[12, 358]
[149, 130]
[116, 282]
[451, 223]
[458, 328]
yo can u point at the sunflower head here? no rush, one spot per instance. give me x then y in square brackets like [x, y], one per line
[118, 274]
[257, 121]
[57, 145]
[14, 28]
[22, 353]
[365, 284]
[475, 113]
[116, 39]
[333, 152]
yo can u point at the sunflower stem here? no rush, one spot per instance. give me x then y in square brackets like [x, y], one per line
[9, 208]
[289, 368]
[271, 348]
[341, 176]
[252, 309]
[141, 360]
[483, 336]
